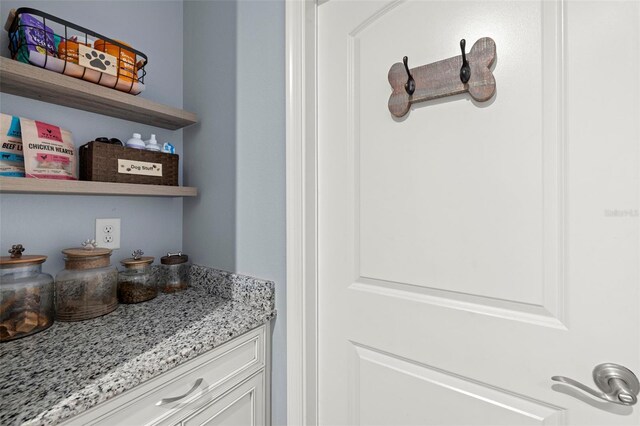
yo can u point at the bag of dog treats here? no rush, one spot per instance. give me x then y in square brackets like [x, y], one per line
[34, 40]
[11, 159]
[49, 152]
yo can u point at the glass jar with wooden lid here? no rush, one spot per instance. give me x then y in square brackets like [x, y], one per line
[87, 287]
[26, 295]
[135, 283]
[174, 272]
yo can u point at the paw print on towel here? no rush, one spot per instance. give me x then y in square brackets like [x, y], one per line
[98, 61]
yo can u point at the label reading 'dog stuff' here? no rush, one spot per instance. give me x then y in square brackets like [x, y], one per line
[139, 168]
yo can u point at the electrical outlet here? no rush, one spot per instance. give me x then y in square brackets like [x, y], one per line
[108, 233]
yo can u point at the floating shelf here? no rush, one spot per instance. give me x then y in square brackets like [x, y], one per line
[79, 187]
[29, 81]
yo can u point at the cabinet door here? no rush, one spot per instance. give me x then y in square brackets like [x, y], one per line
[242, 405]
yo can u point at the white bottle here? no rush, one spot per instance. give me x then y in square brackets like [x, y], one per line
[152, 144]
[136, 142]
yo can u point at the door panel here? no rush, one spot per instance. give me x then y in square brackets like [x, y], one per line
[378, 376]
[470, 251]
[434, 208]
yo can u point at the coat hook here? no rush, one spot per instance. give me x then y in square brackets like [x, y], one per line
[410, 85]
[465, 71]
[444, 78]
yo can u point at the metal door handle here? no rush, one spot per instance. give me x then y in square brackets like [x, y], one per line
[178, 398]
[618, 384]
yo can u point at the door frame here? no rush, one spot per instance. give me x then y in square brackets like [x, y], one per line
[301, 211]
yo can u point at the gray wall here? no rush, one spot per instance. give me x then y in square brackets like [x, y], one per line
[45, 224]
[236, 155]
[210, 161]
[260, 205]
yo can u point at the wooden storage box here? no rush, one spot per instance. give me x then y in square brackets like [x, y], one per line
[104, 162]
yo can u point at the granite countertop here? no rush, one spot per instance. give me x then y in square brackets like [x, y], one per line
[70, 367]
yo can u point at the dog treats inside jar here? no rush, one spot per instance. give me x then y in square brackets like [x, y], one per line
[174, 270]
[135, 283]
[26, 295]
[87, 287]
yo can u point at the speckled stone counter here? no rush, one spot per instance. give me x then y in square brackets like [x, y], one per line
[69, 368]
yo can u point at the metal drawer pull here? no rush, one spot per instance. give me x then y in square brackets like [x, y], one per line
[617, 383]
[178, 398]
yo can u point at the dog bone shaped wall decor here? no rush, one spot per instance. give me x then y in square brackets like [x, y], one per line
[444, 78]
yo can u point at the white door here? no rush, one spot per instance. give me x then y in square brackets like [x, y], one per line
[470, 251]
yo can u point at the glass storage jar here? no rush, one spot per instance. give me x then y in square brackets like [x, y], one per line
[26, 295]
[87, 287]
[174, 272]
[135, 283]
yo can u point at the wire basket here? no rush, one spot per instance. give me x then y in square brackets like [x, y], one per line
[46, 41]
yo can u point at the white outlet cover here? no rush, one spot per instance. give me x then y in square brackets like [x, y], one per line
[108, 240]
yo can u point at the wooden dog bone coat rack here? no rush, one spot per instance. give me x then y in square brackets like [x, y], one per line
[444, 78]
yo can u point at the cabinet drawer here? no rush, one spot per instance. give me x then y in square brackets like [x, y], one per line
[242, 405]
[231, 362]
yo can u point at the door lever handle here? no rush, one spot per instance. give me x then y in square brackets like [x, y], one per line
[617, 384]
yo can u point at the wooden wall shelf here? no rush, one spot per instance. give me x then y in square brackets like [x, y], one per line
[77, 187]
[29, 81]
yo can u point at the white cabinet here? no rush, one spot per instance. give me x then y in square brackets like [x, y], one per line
[228, 385]
[241, 406]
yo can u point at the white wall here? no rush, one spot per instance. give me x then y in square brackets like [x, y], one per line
[45, 224]
[234, 78]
